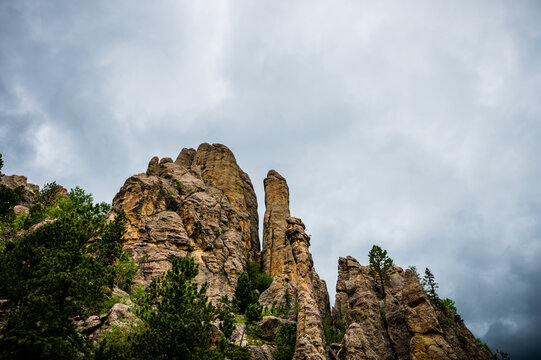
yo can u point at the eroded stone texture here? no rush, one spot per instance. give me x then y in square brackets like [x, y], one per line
[287, 260]
[277, 253]
[401, 325]
[14, 181]
[201, 205]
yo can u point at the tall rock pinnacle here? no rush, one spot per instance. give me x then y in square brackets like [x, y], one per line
[288, 261]
[277, 253]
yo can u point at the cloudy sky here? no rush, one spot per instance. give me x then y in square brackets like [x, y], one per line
[414, 125]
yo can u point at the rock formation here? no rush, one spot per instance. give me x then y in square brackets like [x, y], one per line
[201, 205]
[286, 258]
[14, 181]
[401, 325]
[204, 206]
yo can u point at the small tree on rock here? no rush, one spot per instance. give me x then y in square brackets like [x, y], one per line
[244, 294]
[430, 285]
[381, 265]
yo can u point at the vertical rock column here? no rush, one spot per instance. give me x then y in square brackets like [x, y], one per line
[277, 253]
[287, 260]
[311, 342]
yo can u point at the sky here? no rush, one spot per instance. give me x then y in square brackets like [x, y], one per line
[414, 125]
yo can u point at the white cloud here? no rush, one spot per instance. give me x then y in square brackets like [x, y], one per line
[412, 125]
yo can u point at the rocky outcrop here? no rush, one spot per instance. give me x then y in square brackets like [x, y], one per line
[201, 205]
[401, 325]
[287, 259]
[13, 182]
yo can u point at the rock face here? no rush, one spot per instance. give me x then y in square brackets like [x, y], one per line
[201, 205]
[287, 260]
[401, 325]
[14, 181]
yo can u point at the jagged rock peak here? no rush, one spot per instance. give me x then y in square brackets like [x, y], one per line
[200, 205]
[401, 325]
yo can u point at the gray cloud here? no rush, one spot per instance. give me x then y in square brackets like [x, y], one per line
[410, 125]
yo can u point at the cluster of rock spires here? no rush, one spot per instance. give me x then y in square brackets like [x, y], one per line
[204, 206]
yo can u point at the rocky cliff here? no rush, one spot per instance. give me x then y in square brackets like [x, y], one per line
[204, 206]
[401, 325]
[201, 205]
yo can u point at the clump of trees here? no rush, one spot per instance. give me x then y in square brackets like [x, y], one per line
[61, 271]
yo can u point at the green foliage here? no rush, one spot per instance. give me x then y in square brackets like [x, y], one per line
[52, 275]
[177, 316]
[253, 313]
[430, 285]
[138, 294]
[232, 352]
[463, 342]
[285, 341]
[287, 298]
[415, 272]
[116, 344]
[260, 281]
[383, 317]
[254, 330]
[381, 265]
[244, 294]
[125, 269]
[227, 326]
[334, 332]
[448, 308]
[9, 198]
[483, 344]
[178, 186]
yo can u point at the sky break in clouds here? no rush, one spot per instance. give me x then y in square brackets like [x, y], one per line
[412, 125]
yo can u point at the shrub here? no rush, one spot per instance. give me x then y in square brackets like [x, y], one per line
[244, 294]
[253, 313]
[285, 340]
[334, 333]
[177, 315]
[125, 268]
[66, 269]
[260, 281]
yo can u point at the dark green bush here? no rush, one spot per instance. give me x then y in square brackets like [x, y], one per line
[253, 313]
[285, 340]
[260, 281]
[244, 294]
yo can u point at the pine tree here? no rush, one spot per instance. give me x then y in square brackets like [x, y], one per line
[430, 285]
[244, 294]
[54, 274]
[381, 265]
[177, 316]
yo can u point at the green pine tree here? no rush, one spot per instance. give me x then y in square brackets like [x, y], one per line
[381, 266]
[61, 271]
[177, 316]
